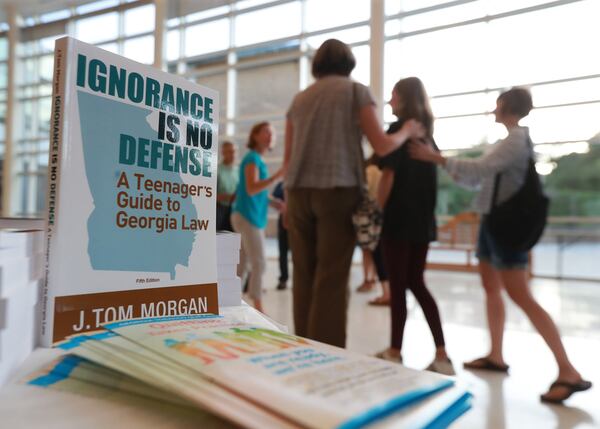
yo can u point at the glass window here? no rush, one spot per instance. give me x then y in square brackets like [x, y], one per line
[30, 71]
[42, 183]
[407, 5]
[45, 89]
[98, 28]
[553, 151]
[218, 82]
[545, 45]
[46, 68]
[3, 48]
[27, 49]
[46, 44]
[44, 109]
[267, 24]
[266, 90]
[110, 47]
[570, 123]
[443, 16]
[2, 121]
[205, 38]
[566, 92]
[465, 132]
[139, 20]
[245, 4]
[494, 6]
[362, 71]
[173, 43]
[392, 7]
[208, 13]
[448, 61]
[3, 75]
[55, 16]
[140, 49]
[464, 104]
[353, 35]
[97, 5]
[27, 113]
[321, 14]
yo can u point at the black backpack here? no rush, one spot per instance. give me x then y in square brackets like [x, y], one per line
[518, 223]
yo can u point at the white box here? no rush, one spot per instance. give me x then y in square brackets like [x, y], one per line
[230, 292]
[18, 316]
[19, 271]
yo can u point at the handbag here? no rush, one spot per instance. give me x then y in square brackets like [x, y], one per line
[368, 221]
[367, 217]
[519, 222]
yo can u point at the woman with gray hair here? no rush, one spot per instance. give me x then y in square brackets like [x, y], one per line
[323, 162]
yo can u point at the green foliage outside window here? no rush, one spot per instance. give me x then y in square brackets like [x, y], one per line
[574, 186]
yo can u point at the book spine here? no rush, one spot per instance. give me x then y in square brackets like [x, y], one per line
[57, 140]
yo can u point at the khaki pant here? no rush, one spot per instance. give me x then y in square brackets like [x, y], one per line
[252, 255]
[322, 240]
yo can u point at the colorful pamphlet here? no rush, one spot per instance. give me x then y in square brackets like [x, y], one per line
[241, 367]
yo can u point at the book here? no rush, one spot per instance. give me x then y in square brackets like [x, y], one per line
[80, 376]
[245, 368]
[131, 193]
[20, 259]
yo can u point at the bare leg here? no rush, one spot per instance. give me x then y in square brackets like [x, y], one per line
[492, 284]
[368, 272]
[385, 291]
[516, 283]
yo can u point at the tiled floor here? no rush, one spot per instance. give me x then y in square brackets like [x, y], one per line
[500, 402]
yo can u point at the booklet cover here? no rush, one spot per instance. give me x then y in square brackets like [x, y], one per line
[131, 193]
[312, 384]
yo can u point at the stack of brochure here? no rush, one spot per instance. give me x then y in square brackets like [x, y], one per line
[243, 369]
[228, 257]
[20, 272]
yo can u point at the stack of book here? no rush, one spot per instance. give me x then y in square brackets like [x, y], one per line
[20, 272]
[241, 368]
[228, 257]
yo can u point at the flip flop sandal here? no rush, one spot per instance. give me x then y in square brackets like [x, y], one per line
[380, 302]
[487, 365]
[571, 388]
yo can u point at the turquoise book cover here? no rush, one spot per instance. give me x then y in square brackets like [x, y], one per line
[131, 193]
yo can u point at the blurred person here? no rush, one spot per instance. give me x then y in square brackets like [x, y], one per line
[278, 194]
[407, 193]
[373, 264]
[501, 267]
[323, 157]
[227, 182]
[249, 217]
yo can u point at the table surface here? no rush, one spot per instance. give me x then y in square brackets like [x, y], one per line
[26, 406]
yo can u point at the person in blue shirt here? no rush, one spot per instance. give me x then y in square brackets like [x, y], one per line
[249, 213]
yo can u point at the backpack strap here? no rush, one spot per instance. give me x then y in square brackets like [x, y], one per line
[497, 178]
[495, 192]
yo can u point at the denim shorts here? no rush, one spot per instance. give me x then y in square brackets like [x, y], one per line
[488, 250]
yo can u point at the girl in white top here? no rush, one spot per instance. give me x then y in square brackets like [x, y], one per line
[502, 268]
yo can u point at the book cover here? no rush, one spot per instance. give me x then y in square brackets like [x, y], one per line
[314, 385]
[131, 193]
